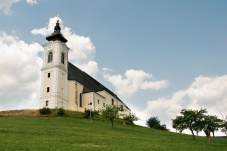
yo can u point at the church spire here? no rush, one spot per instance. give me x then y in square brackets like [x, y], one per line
[57, 28]
[56, 35]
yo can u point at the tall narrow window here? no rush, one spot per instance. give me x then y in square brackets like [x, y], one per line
[50, 57]
[48, 89]
[98, 101]
[112, 101]
[47, 103]
[48, 75]
[81, 100]
[104, 105]
[62, 58]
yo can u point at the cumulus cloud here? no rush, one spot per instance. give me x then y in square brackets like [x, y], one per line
[132, 81]
[5, 5]
[20, 65]
[205, 92]
[32, 2]
[20, 72]
[82, 51]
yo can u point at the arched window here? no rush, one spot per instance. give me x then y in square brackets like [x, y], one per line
[63, 58]
[50, 57]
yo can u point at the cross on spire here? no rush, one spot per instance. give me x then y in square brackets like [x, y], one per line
[57, 27]
[57, 17]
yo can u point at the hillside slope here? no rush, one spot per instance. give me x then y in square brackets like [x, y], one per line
[67, 133]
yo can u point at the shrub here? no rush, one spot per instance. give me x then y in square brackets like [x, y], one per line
[129, 119]
[61, 111]
[87, 113]
[153, 122]
[45, 110]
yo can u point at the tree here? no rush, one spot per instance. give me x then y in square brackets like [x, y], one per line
[195, 120]
[178, 124]
[224, 125]
[190, 119]
[131, 118]
[111, 112]
[214, 122]
[153, 122]
[224, 129]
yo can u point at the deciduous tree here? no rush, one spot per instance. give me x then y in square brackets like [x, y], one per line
[131, 118]
[111, 112]
[224, 125]
[214, 122]
[195, 120]
[189, 119]
[153, 122]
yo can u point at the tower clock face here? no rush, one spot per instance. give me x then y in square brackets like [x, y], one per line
[51, 46]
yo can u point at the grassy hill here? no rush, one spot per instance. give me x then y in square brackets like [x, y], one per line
[34, 132]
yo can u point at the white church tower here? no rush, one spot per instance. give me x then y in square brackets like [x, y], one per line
[54, 82]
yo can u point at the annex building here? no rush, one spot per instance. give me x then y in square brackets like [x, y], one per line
[63, 85]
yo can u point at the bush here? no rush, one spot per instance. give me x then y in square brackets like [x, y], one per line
[45, 110]
[153, 122]
[61, 111]
[129, 119]
[87, 113]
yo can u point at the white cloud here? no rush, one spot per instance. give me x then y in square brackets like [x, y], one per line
[82, 51]
[46, 31]
[132, 81]
[20, 66]
[205, 92]
[5, 5]
[209, 92]
[32, 2]
[20, 72]
[91, 67]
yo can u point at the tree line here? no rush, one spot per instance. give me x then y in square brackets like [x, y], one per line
[193, 120]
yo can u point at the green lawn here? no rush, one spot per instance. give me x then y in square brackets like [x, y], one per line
[67, 133]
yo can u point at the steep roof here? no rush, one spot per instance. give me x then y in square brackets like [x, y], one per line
[90, 84]
[75, 73]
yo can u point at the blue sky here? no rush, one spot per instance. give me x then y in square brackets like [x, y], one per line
[158, 56]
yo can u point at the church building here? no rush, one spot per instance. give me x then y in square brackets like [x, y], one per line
[63, 85]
